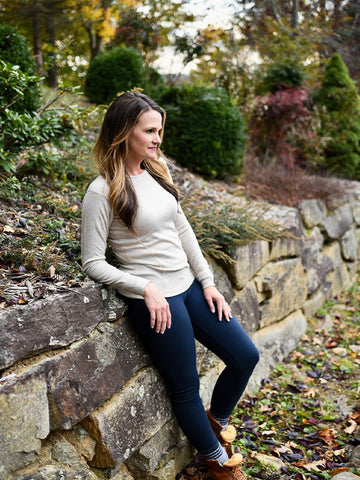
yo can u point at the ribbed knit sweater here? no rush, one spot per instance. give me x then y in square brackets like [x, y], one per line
[163, 251]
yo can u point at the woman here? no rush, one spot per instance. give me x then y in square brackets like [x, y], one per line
[163, 276]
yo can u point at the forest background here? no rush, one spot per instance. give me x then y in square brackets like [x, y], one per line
[270, 109]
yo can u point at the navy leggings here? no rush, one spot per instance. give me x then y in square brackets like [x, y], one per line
[174, 355]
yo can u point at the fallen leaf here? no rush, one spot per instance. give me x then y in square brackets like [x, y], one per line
[268, 432]
[339, 452]
[277, 463]
[327, 435]
[352, 427]
[311, 393]
[51, 271]
[282, 449]
[339, 470]
[313, 465]
[355, 415]
[265, 408]
[30, 288]
[298, 355]
[355, 348]
[340, 351]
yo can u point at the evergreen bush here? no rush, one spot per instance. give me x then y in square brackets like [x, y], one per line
[283, 75]
[204, 130]
[14, 50]
[341, 120]
[112, 72]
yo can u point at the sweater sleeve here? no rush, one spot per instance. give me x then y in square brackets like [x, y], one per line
[196, 259]
[96, 219]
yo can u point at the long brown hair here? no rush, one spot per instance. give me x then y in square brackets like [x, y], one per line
[111, 149]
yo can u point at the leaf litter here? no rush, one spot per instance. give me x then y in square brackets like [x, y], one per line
[304, 421]
[39, 243]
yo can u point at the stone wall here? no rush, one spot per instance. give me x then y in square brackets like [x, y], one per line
[79, 398]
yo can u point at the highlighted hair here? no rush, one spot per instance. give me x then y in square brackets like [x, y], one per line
[111, 149]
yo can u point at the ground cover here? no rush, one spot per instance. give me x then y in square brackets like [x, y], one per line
[304, 421]
[40, 239]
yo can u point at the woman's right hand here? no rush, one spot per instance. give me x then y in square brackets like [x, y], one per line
[160, 316]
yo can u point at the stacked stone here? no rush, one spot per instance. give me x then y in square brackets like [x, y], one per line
[79, 396]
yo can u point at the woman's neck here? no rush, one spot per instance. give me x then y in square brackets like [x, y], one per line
[134, 169]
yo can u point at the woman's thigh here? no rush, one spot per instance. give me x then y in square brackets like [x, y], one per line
[228, 340]
[174, 351]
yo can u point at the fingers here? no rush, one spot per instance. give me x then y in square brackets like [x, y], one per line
[163, 320]
[152, 319]
[213, 296]
[160, 316]
[227, 312]
[211, 305]
[223, 310]
[168, 323]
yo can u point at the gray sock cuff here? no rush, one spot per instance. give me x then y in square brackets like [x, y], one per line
[218, 454]
[223, 421]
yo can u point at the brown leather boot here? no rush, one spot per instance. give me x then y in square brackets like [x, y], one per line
[225, 437]
[228, 471]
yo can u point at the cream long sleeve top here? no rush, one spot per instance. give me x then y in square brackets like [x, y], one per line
[164, 250]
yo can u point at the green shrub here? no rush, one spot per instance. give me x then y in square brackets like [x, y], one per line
[30, 142]
[341, 119]
[204, 131]
[15, 51]
[112, 72]
[282, 75]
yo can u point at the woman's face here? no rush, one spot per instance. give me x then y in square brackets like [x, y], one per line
[144, 140]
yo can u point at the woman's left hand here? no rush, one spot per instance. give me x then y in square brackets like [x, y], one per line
[214, 297]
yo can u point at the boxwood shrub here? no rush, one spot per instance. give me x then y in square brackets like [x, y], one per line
[112, 72]
[283, 75]
[14, 50]
[205, 131]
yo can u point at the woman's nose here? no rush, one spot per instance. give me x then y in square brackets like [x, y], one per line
[157, 139]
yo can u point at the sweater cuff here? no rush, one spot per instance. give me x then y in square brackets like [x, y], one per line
[207, 283]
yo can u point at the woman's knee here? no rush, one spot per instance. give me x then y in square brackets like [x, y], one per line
[246, 358]
[253, 356]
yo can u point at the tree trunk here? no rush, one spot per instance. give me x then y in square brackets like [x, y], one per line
[92, 42]
[98, 45]
[295, 13]
[336, 15]
[274, 10]
[52, 72]
[95, 40]
[36, 26]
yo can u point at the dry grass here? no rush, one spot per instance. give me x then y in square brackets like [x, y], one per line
[287, 186]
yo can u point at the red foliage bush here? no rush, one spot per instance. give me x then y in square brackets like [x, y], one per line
[280, 127]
